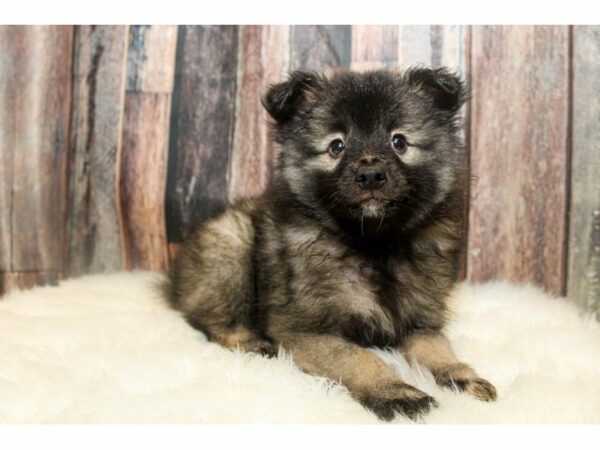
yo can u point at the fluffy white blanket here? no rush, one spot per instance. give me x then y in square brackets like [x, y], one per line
[105, 349]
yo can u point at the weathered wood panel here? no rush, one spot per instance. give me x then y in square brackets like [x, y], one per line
[143, 172]
[94, 232]
[151, 58]
[584, 229]
[317, 47]
[143, 168]
[263, 59]
[374, 46]
[201, 126]
[432, 45]
[7, 144]
[519, 154]
[35, 92]
[26, 280]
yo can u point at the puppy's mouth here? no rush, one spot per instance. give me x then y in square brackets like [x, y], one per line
[373, 205]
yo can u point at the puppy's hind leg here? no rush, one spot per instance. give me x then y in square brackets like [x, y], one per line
[241, 337]
[228, 323]
[212, 283]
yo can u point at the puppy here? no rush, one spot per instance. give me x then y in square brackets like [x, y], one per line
[356, 242]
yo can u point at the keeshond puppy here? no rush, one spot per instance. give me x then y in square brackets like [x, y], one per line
[356, 242]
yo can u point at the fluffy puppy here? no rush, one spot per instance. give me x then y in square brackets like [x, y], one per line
[356, 242]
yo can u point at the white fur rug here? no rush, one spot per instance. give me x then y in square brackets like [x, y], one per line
[104, 349]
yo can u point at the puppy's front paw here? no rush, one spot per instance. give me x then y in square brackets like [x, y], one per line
[400, 398]
[463, 378]
[479, 388]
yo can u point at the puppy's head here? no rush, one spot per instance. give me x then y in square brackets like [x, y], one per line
[378, 147]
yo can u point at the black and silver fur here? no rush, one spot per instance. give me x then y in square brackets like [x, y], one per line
[355, 243]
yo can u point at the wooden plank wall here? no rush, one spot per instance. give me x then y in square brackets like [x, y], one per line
[263, 59]
[116, 141]
[143, 163]
[202, 126]
[35, 98]
[584, 228]
[519, 157]
[94, 219]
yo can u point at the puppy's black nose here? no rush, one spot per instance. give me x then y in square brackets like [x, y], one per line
[371, 176]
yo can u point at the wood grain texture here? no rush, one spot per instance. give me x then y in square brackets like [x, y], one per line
[94, 231]
[432, 45]
[201, 127]
[174, 250]
[519, 154]
[151, 58]
[263, 59]
[7, 144]
[35, 92]
[374, 46]
[143, 166]
[584, 228]
[142, 181]
[318, 47]
[26, 280]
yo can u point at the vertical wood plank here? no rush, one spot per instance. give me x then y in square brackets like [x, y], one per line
[35, 93]
[584, 228]
[263, 59]
[94, 232]
[7, 143]
[142, 179]
[519, 154]
[432, 45]
[374, 46]
[317, 47]
[26, 280]
[151, 58]
[201, 126]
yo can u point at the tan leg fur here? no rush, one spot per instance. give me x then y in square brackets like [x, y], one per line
[370, 381]
[435, 353]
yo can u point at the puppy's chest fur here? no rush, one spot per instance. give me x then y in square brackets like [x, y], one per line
[370, 300]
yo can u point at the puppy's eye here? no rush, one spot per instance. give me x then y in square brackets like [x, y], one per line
[336, 147]
[399, 142]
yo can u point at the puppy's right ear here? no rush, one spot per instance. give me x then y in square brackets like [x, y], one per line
[283, 99]
[443, 86]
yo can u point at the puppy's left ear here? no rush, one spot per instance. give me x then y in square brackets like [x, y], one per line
[446, 89]
[283, 100]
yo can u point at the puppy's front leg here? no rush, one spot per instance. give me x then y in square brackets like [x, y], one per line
[370, 381]
[434, 352]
